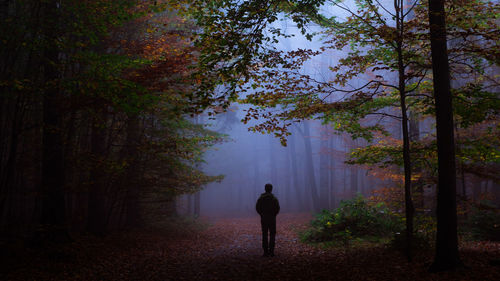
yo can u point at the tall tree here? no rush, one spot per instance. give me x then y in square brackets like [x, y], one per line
[447, 256]
[73, 82]
[309, 167]
[52, 183]
[324, 169]
[134, 217]
[99, 179]
[301, 204]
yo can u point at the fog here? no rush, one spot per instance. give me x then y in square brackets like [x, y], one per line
[312, 165]
[307, 175]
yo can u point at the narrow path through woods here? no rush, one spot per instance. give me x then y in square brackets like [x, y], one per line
[229, 249]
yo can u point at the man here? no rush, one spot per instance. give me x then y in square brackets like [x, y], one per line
[268, 207]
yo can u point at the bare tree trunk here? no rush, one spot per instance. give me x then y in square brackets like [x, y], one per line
[409, 209]
[295, 175]
[344, 173]
[197, 202]
[197, 195]
[272, 161]
[333, 170]
[324, 169]
[353, 173]
[354, 180]
[460, 165]
[8, 170]
[52, 184]
[256, 175]
[96, 194]
[414, 137]
[133, 216]
[310, 168]
[287, 188]
[447, 256]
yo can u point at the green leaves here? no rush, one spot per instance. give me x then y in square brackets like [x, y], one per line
[474, 104]
[354, 218]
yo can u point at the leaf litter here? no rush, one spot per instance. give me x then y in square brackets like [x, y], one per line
[230, 249]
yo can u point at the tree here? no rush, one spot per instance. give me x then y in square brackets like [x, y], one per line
[309, 167]
[112, 90]
[52, 184]
[447, 256]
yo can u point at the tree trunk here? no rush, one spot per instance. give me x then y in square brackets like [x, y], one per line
[256, 175]
[8, 170]
[96, 194]
[460, 165]
[287, 183]
[407, 178]
[447, 256]
[272, 161]
[333, 189]
[418, 185]
[133, 212]
[405, 132]
[324, 169]
[189, 204]
[354, 181]
[197, 202]
[301, 205]
[53, 215]
[197, 195]
[353, 174]
[310, 168]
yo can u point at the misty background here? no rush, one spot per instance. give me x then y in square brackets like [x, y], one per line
[309, 174]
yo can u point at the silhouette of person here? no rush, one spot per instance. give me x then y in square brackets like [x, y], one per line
[268, 207]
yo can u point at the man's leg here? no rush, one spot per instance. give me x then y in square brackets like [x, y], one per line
[265, 229]
[272, 234]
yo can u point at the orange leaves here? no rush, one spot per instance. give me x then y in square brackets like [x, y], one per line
[163, 43]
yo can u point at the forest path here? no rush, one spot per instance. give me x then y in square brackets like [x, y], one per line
[230, 249]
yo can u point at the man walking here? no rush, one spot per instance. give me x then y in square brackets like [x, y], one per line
[268, 207]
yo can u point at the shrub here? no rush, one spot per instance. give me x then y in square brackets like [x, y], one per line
[484, 223]
[425, 227]
[354, 218]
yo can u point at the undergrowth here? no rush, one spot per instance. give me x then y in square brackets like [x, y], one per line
[356, 221]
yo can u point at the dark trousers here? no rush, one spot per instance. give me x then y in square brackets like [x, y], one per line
[268, 226]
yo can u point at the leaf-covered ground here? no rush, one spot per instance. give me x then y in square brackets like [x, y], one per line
[229, 249]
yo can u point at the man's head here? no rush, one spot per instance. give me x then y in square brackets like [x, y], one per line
[269, 187]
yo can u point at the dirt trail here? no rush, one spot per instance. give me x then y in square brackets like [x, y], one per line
[230, 249]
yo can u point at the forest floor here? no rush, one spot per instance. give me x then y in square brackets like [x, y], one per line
[229, 249]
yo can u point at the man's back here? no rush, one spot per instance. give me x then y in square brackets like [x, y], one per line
[267, 205]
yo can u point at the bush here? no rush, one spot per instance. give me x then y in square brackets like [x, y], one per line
[425, 227]
[354, 218]
[484, 223]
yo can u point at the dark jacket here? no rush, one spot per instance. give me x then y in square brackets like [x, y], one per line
[267, 205]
